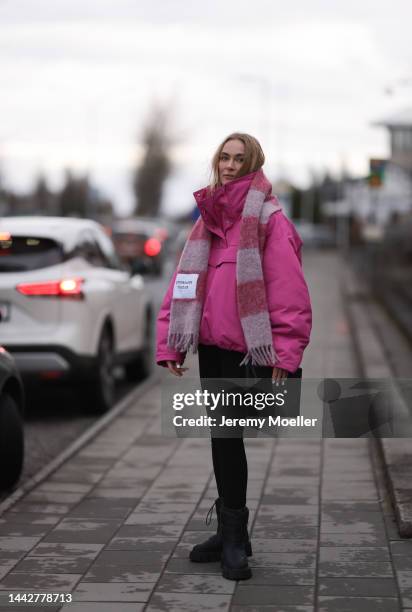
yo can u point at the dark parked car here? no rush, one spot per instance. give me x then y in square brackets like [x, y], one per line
[11, 422]
[144, 243]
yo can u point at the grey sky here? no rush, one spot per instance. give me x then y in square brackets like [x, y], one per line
[307, 78]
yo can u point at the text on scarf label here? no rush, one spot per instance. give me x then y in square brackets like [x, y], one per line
[185, 286]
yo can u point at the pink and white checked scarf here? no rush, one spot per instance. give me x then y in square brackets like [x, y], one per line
[186, 313]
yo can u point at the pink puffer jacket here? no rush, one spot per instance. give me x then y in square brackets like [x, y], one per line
[286, 290]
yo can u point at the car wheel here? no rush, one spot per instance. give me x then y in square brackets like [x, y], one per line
[11, 442]
[102, 389]
[140, 367]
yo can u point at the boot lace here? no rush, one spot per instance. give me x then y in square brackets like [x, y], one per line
[210, 514]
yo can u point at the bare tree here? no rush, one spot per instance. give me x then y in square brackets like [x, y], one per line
[74, 197]
[42, 196]
[150, 176]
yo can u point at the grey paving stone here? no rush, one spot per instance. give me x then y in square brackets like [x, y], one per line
[349, 494]
[346, 554]
[113, 591]
[188, 602]
[275, 511]
[354, 527]
[81, 530]
[68, 474]
[31, 518]
[155, 530]
[357, 604]
[350, 506]
[162, 507]
[11, 529]
[195, 583]
[287, 520]
[270, 608]
[281, 575]
[297, 471]
[284, 545]
[403, 547]
[31, 582]
[351, 476]
[358, 570]
[288, 499]
[172, 496]
[94, 508]
[352, 539]
[163, 483]
[13, 547]
[184, 566]
[129, 479]
[130, 559]
[53, 497]
[358, 587]
[53, 565]
[198, 525]
[106, 572]
[6, 565]
[405, 586]
[67, 549]
[132, 495]
[102, 607]
[26, 607]
[23, 507]
[64, 487]
[247, 594]
[143, 544]
[356, 520]
[402, 562]
[156, 519]
[284, 559]
[82, 459]
[294, 532]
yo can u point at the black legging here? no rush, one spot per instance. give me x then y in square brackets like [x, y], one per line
[228, 454]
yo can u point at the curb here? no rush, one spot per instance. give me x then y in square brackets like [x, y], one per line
[396, 452]
[75, 446]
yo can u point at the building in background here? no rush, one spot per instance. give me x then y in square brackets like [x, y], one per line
[385, 195]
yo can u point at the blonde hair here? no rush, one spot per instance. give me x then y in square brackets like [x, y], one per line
[254, 157]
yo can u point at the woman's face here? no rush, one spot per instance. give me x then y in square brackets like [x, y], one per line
[231, 160]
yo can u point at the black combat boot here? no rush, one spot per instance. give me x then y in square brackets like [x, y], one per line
[234, 535]
[211, 549]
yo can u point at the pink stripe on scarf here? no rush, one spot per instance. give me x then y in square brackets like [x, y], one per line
[251, 298]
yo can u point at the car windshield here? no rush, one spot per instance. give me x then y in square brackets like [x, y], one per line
[25, 253]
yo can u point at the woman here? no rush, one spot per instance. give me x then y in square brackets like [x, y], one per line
[239, 297]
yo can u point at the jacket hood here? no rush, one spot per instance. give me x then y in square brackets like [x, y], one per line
[222, 207]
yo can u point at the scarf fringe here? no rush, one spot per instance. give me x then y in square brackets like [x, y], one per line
[183, 342]
[260, 355]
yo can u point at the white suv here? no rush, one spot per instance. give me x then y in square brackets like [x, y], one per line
[68, 309]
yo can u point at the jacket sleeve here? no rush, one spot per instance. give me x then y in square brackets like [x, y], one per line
[163, 352]
[287, 293]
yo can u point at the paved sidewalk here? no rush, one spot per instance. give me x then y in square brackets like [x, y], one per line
[114, 524]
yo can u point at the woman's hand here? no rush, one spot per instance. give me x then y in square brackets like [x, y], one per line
[175, 368]
[278, 374]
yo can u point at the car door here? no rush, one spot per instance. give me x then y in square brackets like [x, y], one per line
[127, 302]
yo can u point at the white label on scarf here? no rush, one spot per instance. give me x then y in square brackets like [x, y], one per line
[185, 286]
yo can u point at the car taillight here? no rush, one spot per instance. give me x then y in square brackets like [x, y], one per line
[152, 247]
[67, 287]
